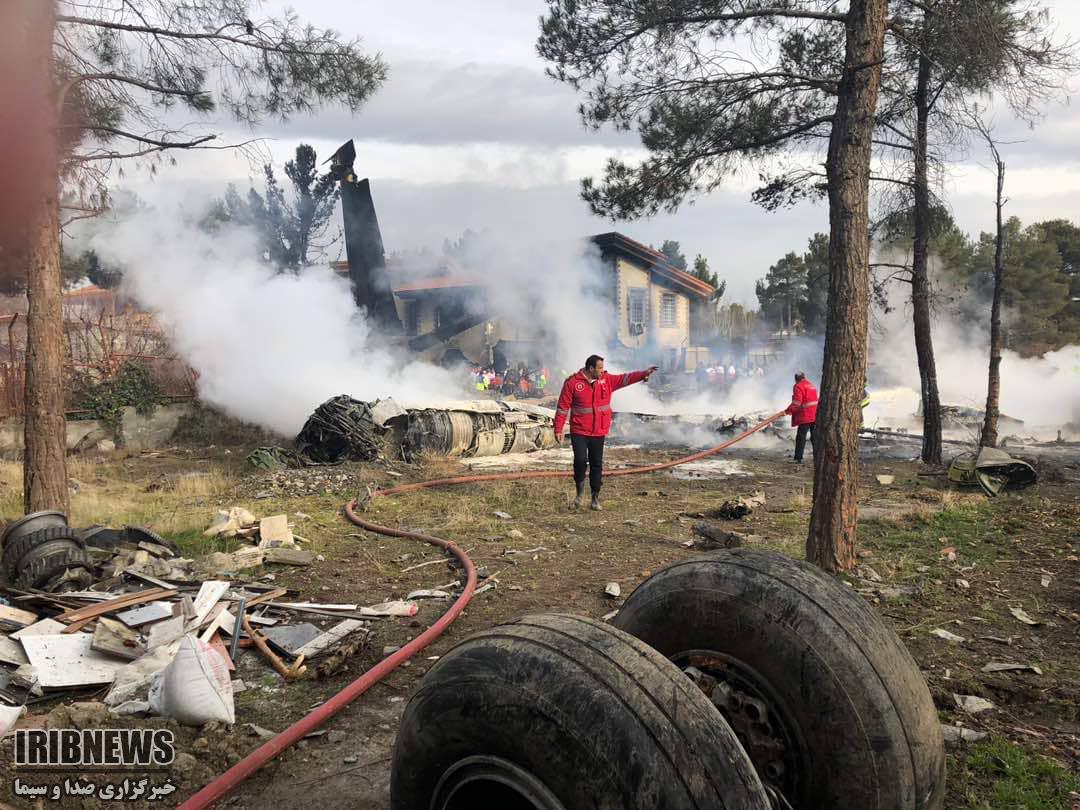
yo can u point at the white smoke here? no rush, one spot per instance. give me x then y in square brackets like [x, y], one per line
[1043, 392]
[268, 348]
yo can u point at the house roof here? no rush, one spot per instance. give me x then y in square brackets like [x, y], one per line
[654, 260]
[437, 283]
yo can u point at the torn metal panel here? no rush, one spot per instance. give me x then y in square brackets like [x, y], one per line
[991, 469]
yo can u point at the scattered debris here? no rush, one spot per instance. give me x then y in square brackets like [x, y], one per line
[738, 508]
[963, 584]
[9, 716]
[1021, 615]
[1046, 580]
[274, 532]
[231, 523]
[959, 734]
[613, 590]
[502, 515]
[289, 639]
[972, 704]
[996, 666]
[713, 537]
[866, 572]
[991, 469]
[428, 594]
[885, 480]
[945, 634]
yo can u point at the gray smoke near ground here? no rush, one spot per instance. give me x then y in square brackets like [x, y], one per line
[1043, 392]
[268, 348]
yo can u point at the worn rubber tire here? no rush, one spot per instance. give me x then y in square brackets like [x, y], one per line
[41, 570]
[137, 534]
[16, 550]
[595, 716]
[859, 714]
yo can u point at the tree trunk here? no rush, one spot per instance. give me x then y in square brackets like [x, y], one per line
[44, 462]
[831, 539]
[920, 279]
[993, 386]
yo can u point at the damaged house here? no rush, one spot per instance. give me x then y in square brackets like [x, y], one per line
[657, 312]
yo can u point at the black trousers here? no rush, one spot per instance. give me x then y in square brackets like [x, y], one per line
[800, 439]
[588, 450]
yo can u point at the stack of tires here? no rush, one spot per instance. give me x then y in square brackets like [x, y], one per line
[40, 551]
[742, 680]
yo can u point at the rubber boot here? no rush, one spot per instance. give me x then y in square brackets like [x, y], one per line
[595, 505]
[579, 501]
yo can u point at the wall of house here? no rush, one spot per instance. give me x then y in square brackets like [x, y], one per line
[627, 277]
[670, 337]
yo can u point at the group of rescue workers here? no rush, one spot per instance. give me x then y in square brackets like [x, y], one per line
[585, 402]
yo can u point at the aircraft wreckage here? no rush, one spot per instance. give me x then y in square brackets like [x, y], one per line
[347, 429]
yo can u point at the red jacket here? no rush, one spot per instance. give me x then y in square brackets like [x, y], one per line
[803, 407]
[588, 403]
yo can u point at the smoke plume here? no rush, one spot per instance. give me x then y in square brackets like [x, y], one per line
[268, 348]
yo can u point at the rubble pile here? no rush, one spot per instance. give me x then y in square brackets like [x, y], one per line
[161, 632]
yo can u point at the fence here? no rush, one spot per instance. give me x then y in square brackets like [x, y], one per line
[98, 343]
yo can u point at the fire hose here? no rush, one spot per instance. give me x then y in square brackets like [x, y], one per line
[225, 783]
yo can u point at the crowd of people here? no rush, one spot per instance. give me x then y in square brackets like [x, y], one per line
[719, 374]
[520, 380]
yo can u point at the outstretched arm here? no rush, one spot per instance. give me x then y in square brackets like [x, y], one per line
[629, 378]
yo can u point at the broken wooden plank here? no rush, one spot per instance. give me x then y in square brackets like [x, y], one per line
[15, 619]
[166, 632]
[116, 638]
[209, 595]
[219, 618]
[269, 596]
[274, 532]
[67, 661]
[288, 556]
[320, 645]
[125, 601]
[155, 611]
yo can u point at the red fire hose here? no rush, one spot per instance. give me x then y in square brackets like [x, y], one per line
[225, 783]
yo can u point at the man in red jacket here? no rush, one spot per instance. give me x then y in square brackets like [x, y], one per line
[803, 410]
[586, 401]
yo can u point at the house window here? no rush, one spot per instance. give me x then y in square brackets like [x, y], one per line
[668, 310]
[412, 318]
[636, 314]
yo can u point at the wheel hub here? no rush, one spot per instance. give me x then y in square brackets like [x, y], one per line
[486, 781]
[754, 714]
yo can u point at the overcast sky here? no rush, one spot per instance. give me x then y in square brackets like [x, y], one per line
[469, 133]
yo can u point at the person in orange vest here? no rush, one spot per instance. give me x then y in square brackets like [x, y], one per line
[586, 402]
[803, 410]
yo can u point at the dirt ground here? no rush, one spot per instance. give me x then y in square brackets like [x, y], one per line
[932, 558]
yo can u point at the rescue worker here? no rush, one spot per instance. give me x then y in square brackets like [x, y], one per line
[803, 410]
[586, 401]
